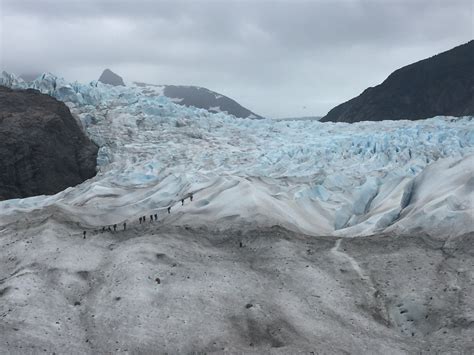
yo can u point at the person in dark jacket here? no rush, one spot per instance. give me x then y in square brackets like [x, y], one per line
[169, 209]
[84, 235]
[124, 225]
[115, 227]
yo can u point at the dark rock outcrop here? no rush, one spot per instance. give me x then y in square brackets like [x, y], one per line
[42, 148]
[109, 77]
[440, 85]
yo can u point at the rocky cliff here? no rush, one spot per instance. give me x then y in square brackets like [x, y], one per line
[440, 85]
[42, 148]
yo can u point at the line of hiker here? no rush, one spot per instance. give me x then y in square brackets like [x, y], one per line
[109, 228]
[153, 217]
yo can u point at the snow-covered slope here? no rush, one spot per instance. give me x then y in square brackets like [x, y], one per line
[312, 177]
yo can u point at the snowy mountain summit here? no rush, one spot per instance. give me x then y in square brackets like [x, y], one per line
[319, 179]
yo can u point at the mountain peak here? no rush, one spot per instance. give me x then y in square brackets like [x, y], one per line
[109, 77]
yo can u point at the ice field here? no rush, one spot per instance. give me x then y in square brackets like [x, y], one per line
[311, 177]
[262, 259]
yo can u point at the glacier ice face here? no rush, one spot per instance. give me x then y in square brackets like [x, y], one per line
[318, 178]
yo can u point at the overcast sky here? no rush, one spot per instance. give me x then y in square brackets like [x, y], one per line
[277, 58]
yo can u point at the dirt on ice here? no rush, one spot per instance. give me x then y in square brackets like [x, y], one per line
[157, 288]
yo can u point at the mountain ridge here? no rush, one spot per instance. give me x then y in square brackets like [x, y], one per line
[442, 85]
[200, 97]
[187, 95]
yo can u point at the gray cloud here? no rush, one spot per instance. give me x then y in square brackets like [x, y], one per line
[275, 57]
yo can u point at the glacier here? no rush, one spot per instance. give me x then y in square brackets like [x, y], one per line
[311, 177]
[302, 237]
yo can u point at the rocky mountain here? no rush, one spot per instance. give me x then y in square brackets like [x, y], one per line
[42, 148]
[109, 77]
[195, 96]
[204, 98]
[440, 85]
[199, 97]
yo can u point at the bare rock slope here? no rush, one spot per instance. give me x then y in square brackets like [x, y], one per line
[442, 85]
[42, 148]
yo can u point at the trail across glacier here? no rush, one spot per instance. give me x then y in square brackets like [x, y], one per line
[354, 264]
